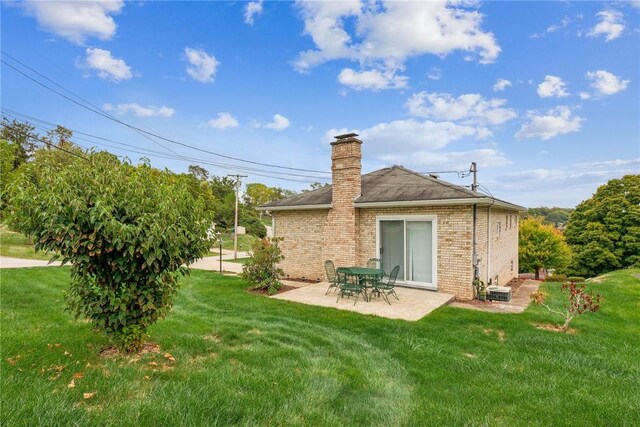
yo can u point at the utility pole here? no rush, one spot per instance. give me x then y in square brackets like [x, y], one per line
[235, 228]
[474, 170]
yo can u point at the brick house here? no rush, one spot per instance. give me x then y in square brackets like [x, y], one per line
[422, 223]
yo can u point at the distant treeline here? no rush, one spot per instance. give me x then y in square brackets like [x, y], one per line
[555, 216]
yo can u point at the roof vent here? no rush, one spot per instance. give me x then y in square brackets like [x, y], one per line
[434, 176]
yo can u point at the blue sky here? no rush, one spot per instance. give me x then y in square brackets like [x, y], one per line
[544, 96]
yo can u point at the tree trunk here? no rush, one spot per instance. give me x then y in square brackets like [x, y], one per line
[537, 273]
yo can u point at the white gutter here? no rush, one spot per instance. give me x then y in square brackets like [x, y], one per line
[481, 201]
[294, 208]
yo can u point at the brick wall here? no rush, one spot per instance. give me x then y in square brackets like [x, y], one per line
[454, 239]
[302, 246]
[500, 250]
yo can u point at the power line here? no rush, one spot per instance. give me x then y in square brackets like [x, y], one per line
[98, 111]
[140, 150]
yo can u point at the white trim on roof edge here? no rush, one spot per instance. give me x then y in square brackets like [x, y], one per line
[294, 208]
[480, 201]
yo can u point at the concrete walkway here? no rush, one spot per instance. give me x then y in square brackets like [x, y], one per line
[519, 300]
[212, 263]
[8, 262]
[413, 304]
[208, 263]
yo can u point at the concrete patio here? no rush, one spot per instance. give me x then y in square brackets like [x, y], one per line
[519, 300]
[413, 305]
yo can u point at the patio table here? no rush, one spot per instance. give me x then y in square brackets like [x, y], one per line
[364, 275]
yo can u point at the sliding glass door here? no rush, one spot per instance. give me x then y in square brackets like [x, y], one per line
[410, 243]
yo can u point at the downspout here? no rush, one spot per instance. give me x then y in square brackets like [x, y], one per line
[488, 243]
[475, 260]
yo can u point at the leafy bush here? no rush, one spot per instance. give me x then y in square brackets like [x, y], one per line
[128, 231]
[576, 279]
[261, 269]
[541, 246]
[579, 302]
[556, 278]
[255, 227]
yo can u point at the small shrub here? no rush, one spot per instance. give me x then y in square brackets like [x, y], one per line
[579, 302]
[261, 269]
[556, 278]
[576, 279]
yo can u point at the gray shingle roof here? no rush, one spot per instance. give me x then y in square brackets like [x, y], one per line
[388, 185]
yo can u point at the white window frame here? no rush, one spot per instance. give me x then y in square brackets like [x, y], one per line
[434, 246]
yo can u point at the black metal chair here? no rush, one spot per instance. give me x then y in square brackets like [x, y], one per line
[332, 276]
[388, 288]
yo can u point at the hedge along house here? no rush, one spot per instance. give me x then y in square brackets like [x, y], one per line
[437, 232]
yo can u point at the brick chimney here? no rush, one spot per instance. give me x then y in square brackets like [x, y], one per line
[341, 227]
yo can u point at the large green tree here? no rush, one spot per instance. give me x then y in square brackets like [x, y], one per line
[604, 231]
[541, 246]
[128, 231]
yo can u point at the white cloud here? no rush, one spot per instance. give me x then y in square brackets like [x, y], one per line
[371, 79]
[501, 84]
[469, 108]
[223, 121]
[75, 20]
[420, 144]
[606, 83]
[552, 87]
[278, 123]
[107, 67]
[411, 135]
[609, 163]
[140, 111]
[386, 34]
[584, 95]
[611, 25]
[202, 66]
[553, 28]
[434, 74]
[457, 160]
[251, 10]
[554, 122]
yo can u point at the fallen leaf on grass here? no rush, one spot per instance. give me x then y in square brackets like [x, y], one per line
[72, 384]
[469, 355]
[78, 375]
[88, 395]
[66, 353]
[169, 357]
[152, 364]
[13, 360]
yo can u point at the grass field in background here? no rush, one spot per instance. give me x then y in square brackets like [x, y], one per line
[17, 245]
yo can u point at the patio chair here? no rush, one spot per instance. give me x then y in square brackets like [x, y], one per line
[373, 263]
[388, 288]
[351, 287]
[332, 276]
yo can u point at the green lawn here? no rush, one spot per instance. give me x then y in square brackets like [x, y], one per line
[19, 246]
[245, 359]
[244, 242]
